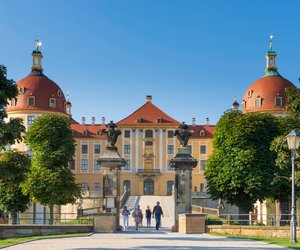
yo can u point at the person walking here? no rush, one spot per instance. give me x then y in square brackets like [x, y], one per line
[157, 213]
[125, 214]
[138, 215]
[148, 216]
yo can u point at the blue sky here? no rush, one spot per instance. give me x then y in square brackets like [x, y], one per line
[193, 57]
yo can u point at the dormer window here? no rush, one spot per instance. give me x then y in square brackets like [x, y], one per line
[158, 120]
[257, 102]
[250, 93]
[139, 120]
[244, 105]
[85, 133]
[21, 90]
[202, 133]
[98, 132]
[59, 93]
[52, 103]
[278, 101]
[31, 101]
[13, 102]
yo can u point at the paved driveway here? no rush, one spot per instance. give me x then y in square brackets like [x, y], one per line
[145, 239]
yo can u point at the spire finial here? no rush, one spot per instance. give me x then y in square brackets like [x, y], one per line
[271, 42]
[38, 43]
[235, 98]
[68, 96]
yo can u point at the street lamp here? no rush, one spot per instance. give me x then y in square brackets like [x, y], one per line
[293, 140]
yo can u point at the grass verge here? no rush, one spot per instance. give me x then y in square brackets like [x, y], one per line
[276, 241]
[12, 241]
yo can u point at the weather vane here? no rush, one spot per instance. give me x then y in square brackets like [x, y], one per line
[271, 41]
[38, 43]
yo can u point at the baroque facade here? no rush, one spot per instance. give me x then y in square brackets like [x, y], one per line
[147, 142]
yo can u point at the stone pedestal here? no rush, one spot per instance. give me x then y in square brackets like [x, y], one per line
[183, 164]
[111, 164]
[105, 223]
[191, 223]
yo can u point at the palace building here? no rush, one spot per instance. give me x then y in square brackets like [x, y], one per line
[146, 143]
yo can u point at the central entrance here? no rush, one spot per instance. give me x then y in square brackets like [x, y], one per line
[149, 186]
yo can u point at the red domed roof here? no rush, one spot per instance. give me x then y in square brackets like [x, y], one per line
[267, 90]
[43, 90]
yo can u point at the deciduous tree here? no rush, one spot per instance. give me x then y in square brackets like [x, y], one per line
[10, 131]
[14, 166]
[242, 167]
[51, 182]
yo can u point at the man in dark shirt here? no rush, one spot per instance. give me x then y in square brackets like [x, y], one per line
[157, 213]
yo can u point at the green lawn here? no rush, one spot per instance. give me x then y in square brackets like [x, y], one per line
[276, 241]
[11, 241]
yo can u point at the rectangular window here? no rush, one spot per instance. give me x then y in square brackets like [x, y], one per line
[30, 119]
[84, 187]
[127, 166]
[170, 149]
[31, 101]
[52, 103]
[126, 149]
[97, 149]
[202, 164]
[257, 102]
[96, 186]
[244, 104]
[72, 165]
[170, 134]
[127, 134]
[148, 143]
[96, 165]
[84, 149]
[190, 149]
[84, 164]
[278, 101]
[202, 149]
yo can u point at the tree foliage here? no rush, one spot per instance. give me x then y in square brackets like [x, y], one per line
[50, 181]
[10, 131]
[14, 166]
[282, 180]
[242, 166]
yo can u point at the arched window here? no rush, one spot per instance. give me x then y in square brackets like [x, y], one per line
[202, 133]
[149, 134]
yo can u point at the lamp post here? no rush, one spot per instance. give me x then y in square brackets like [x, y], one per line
[293, 140]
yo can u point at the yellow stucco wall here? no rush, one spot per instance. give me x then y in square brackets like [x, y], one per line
[159, 160]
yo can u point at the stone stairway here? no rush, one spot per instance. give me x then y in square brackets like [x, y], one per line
[166, 202]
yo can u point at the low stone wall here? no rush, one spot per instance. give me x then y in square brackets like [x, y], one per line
[10, 231]
[263, 231]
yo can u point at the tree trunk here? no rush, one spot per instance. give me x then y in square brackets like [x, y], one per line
[278, 212]
[51, 219]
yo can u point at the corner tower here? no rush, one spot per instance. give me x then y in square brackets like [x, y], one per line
[267, 94]
[37, 93]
